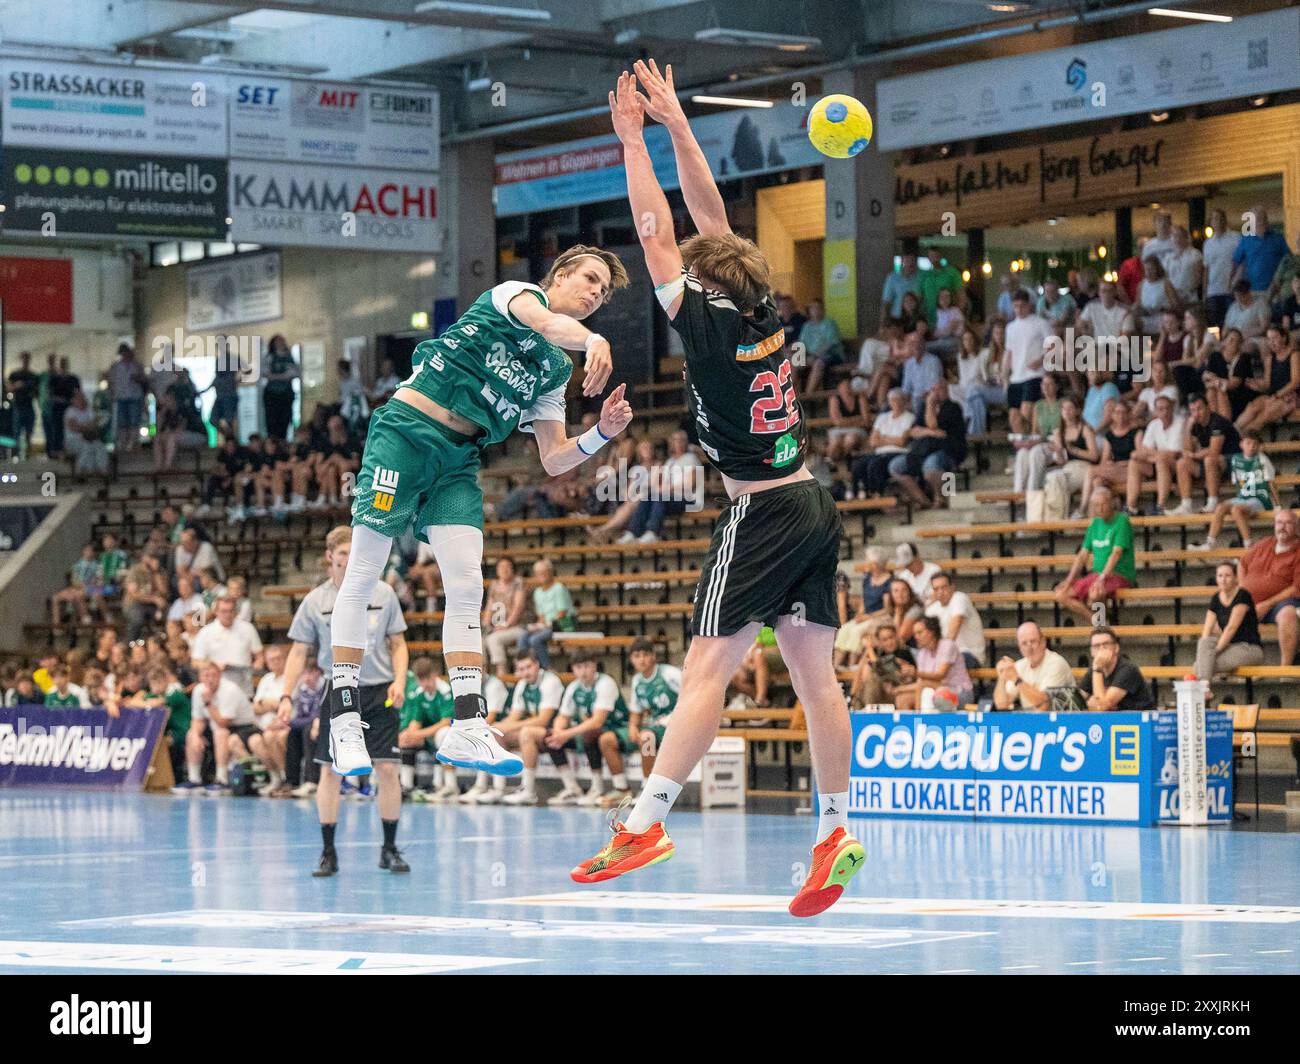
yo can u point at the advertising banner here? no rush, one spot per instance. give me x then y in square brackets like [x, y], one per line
[114, 109]
[327, 122]
[236, 290]
[323, 206]
[1100, 79]
[77, 747]
[737, 144]
[1118, 768]
[58, 191]
[36, 290]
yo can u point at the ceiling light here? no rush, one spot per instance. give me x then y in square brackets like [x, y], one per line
[1260, 101]
[479, 85]
[784, 41]
[1007, 6]
[626, 36]
[505, 14]
[1171, 12]
[1159, 116]
[733, 101]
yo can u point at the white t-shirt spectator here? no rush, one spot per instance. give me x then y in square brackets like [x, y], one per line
[1025, 339]
[1147, 396]
[970, 637]
[1053, 672]
[920, 584]
[77, 422]
[1251, 320]
[1158, 438]
[230, 701]
[232, 648]
[948, 321]
[888, 425]
[1104, 321]
[182, 608]
[681, 476]
[871, 356]
[269, 689]
[1184, 273]
[1217, 253]
[1161, 248]
[126, 380]
[204, 557]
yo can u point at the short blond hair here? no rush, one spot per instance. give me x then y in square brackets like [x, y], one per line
[338, 535]
[566, 262]
[732, 263]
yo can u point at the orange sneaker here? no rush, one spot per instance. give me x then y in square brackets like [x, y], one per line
[836, 860]
[626, 852]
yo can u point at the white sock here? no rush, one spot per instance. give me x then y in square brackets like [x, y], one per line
[834, 814]
[223, 774]
[345, 674]
[597, 784]
[278, 501]
[406, 774]
[465, 680]
[620, 782]
[498, 783]
[196, 775]
[567, 777]
[481, 781]
[277, 777]
[530, 777]
[449, 777]
[657, 798]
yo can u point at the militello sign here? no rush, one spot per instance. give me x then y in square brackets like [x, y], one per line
[317, 206]
[103, 194]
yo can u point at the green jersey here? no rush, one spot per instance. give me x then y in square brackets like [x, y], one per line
[492, 369]
[179, 708]
[580, 701]
[1252, 476]
[58, 701]
[1103, 537]
[656, 697]
[532, 698]
[424, 709]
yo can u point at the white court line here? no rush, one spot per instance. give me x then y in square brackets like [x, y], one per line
[1019, 967]
[957, 971]
[1275, 951]
[1201, 955]
[1076, 964]
[1132, 960]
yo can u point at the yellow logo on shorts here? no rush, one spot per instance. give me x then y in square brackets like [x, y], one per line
[385, 487]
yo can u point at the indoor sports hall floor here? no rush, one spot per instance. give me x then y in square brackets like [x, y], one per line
[133, 882]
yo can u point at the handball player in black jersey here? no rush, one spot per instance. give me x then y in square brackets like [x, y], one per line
[773, 555]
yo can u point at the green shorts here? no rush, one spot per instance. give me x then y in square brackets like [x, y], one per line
[416, 469]
[652, 737]
[625, 745]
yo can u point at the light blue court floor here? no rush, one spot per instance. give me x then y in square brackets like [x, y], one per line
[144, 883]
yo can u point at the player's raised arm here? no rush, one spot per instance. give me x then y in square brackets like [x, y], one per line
[560, 452]
[700, 191]
[570, 334]
[650, 213]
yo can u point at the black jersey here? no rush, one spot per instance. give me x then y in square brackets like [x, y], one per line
[739, 385]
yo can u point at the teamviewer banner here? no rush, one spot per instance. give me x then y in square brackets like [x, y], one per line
[113, 108]
[61, 192]
[78, 747]
[1100, 79]
[1013, 766]
[328, 122]
[324, 206]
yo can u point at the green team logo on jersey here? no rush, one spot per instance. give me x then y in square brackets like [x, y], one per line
[584, 701]
[785, 451]
[655, 694]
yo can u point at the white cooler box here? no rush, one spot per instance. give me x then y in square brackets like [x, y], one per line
[722, 774]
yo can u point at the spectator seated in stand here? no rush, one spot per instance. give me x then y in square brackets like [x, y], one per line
[83, 437]
[1230, 637]
[84, 589]
[820, 337]
[939, 665]
[1157, 454]
[850, 414]
[1209, 443]
[1277, 384]
[886, 672]
[1027, 683]
[937, 448]
[949, 322]
[65, 693]
[890, 435]
[1113, 682]
[1254, 476]
[979, 384]
[1270, 571]
[553, 606]
[680, 480]
[1107, 554]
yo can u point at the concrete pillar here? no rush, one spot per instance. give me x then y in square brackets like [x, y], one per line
[470, 241]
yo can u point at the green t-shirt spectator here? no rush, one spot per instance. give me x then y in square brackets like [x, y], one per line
[550, 602]
[179, 705]
[57, 701]
[425, 709]
[1252, 476]
[933, 282]
[110, 562]
[1103, 537]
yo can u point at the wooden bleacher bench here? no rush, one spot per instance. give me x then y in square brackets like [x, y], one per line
[605, 642]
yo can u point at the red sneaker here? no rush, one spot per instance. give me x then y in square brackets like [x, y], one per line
[836, 860]
[626, 852]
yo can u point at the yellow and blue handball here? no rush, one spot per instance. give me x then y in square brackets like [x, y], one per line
[839, 126]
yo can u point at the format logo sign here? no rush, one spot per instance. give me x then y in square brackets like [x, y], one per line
[113, 194]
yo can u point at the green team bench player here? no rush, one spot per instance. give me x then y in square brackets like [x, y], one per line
[426, 715]
[655, 689]
[501, 366]
[593, 719]
[536, 699]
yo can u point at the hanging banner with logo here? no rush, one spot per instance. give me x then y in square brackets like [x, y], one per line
[115, 109]
[77, 747]
[60, 192]
[1100, 79]
[737, 144]
[321, 206]
[327, 122]
[36, 290]
[235, 290]
[1099, 767]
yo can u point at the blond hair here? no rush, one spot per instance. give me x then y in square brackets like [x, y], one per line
[732, 263]
[338, 535]
[566, 262]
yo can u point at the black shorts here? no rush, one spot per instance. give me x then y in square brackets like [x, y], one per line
[773, 552]
[381, 737]
[245, 732]
[1029, 391]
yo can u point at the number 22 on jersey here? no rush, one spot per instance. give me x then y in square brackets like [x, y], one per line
[778, 399]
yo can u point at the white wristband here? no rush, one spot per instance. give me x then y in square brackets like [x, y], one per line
[592, 440]
[591, 339]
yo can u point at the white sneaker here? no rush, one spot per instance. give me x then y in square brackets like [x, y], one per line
[1211, 504]
[1182, 509]
[591, 799]
[472, 744]
[304, 791]
[1209, 544]
[449, 793]
[648, 537]
[257, 511]
[566, 797]
[626, 537]
[520, 797]
[348, 744]
[297, 504]
[472, 795]
[317, 503]
[490, 796]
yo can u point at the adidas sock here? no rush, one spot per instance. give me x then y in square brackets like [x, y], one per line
[344, 676]
[390, 833]
[834, 814]
[567, 777]
[657, 798]
[327, 835]
[465, 680]
[620, 782]
[530, 778]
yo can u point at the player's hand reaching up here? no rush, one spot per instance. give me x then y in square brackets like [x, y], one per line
[661, 102]
[627, 109]
[616, 412]
[596, 368]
